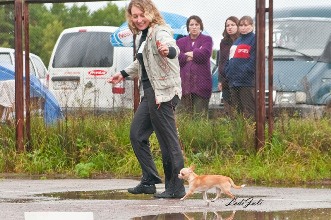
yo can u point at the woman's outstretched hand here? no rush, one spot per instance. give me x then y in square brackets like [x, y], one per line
[116, 78]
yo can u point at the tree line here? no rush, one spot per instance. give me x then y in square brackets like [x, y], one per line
[47, 22]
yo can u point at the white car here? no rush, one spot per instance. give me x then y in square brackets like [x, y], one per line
[37, 66]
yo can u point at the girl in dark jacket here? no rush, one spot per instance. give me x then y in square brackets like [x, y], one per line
[230, 34]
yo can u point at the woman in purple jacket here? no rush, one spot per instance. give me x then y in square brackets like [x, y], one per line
[194, 59]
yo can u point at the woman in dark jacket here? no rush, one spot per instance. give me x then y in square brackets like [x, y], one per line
[240, 69]
[230, 34]
[194, 59]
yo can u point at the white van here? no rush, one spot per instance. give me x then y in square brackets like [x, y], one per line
[82, 60]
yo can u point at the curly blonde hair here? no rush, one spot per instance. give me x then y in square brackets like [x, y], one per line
[150, 12]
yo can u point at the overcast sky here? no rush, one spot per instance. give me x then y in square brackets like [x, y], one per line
[214, 12]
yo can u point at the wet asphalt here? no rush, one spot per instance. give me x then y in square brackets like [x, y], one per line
[19, 196]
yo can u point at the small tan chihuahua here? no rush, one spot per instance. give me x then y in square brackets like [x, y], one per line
[203, 183]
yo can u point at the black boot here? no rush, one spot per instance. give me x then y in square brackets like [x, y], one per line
[174, 190]
[143, 189]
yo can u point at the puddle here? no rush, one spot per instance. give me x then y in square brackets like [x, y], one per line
[5, 200]
[23, 200]
[110, 195]
[98, 195]
[302, 214]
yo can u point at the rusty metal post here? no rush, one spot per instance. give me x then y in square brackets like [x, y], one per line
[19, 102]
[27, 75]
[270, 71]
[260, 74]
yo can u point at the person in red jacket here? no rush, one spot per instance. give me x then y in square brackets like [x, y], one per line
[194, 60]
[240, 69]
[230, 34]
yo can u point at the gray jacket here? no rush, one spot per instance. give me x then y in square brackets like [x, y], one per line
[163, 73]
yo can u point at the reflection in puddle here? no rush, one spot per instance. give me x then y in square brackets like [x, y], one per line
[190, 216]
[99, 195]
[303, 214]
[105, 195]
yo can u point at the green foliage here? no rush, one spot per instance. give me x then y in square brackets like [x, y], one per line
[46, 24]
[111, 15]
[84, 170]
[6, 25]
[86, 145]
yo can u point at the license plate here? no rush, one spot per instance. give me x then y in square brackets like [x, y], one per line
[65, 85]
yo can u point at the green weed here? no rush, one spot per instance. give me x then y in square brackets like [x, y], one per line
[87, 145]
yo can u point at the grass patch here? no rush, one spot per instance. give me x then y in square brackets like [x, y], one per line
[299, 151]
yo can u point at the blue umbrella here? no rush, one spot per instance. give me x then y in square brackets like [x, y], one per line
[123, 36]
[52, 110]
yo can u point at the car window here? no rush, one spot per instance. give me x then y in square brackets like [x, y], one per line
[32, 70]
[308, 36]
[84, 49]
[5, 58]
[39, 65]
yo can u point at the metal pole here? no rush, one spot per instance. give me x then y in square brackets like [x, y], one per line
[27, 75]
[260, 74]
[19, 102]
[271, 71]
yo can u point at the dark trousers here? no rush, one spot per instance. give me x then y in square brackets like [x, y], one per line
[243, 100]
[193, 103]
[226, 96]
[160, 119]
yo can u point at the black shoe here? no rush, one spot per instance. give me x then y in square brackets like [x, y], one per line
[141, 188]
[150, 180]
[169, 195]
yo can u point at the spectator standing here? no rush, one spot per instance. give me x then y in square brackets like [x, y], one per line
[240, 69]
[194, 59]
[230, 34]
[157, 67]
